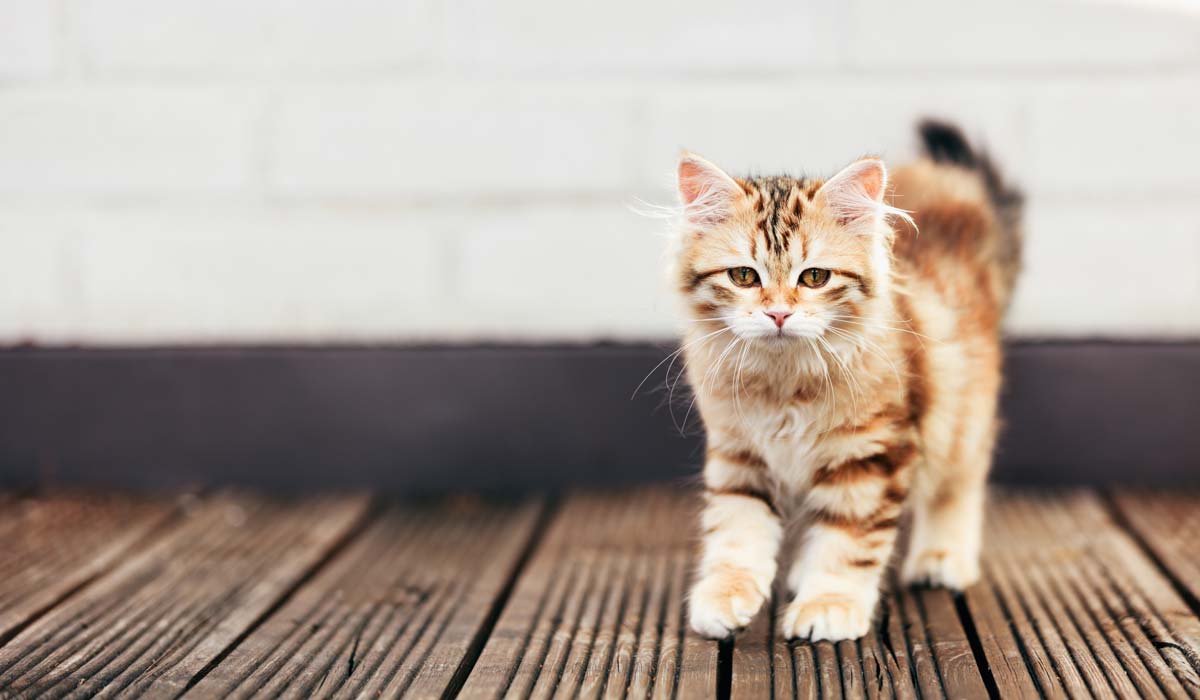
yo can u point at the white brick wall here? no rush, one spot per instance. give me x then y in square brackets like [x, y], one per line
[1099, 271]
[27, 39]
[1038, 36]
[123, 140]
[374, 170]
[1148, 133]
[670, 38]
[423, 139]
[323, 274]
[550, 270]
[235, 37]
[819, 125]
[39, 277]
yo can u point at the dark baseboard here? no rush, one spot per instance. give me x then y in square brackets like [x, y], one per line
[491, 417]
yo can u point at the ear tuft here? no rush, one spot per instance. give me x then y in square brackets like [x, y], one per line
[705, 191]
[855, 195]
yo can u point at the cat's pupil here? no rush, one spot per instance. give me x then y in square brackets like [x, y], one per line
[814, 277]
[743, 276]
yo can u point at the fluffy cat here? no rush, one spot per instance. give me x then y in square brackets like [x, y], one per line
[846, 368]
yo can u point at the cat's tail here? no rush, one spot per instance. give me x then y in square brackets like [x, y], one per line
[944, 143]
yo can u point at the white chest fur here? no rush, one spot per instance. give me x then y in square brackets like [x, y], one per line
[788, 438]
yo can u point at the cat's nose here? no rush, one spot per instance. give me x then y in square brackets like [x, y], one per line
[778, 316]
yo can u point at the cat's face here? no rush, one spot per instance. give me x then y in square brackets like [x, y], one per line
[778, 260]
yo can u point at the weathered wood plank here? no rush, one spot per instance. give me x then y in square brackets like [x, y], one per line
[788, 680]
[956, 662]
[917, 647]
[1169, 525]
[636, 642]
[687, 663]
[598, 611]
[753, 660]
[1070, 608]
[54, 544]
[898, 681]
[163, 615]
[112, 597]
[396, 613]
[1002, 652]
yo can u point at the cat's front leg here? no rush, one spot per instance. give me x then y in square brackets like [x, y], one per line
[741, 532]
[855, 509]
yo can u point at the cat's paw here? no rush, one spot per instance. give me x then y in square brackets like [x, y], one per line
[947, 568]
[832, 616]
[724, 602]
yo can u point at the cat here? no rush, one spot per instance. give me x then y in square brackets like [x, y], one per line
[842, 344]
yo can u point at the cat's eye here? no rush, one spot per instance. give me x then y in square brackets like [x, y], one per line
[814, 277]
[743, 276]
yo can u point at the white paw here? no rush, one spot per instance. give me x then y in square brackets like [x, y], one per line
[941, 567]
[832, 616]
[722, 603]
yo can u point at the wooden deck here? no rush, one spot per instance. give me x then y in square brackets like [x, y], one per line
[231, 595]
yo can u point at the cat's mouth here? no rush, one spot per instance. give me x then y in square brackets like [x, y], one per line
[783, 337]
[801, 332]
[801, 329]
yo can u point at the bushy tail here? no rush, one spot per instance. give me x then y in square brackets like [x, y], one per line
[944, 143]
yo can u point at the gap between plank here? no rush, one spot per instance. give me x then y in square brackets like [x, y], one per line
[1119, 518]
[981, 662]
[541, 525]
[157, 530]
[372, 512]
[724, 669]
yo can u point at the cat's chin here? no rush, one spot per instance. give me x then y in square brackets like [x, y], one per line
[786, 338]
[777, 343]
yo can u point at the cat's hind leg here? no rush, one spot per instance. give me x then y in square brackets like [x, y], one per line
[947, 533]
[948, 498]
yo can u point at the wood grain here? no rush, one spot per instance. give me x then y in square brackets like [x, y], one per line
[165, 613]
[1168, 522]
[396, 614]
[1071, 608]
[239, 596]
[53, 545]
[917, 648]
[598, 611]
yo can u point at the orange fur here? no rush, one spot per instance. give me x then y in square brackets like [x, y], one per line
[877, 392]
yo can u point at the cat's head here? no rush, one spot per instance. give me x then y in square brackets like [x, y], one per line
[780, 259]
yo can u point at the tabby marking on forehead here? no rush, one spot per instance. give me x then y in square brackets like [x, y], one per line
[779, 205]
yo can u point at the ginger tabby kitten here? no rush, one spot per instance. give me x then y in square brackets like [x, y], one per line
[846, 370]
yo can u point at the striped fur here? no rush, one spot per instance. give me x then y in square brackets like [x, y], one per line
[874, 397]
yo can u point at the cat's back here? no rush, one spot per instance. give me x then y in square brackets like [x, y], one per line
[964, 243]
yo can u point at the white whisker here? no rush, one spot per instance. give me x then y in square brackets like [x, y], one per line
[670, 357]
[877, 351]
[712, 373]
[737, 378]
[879, 325]
[851, 382]
[714, 318]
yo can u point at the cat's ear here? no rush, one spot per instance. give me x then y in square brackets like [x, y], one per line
[855, 195]
[705, 191]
